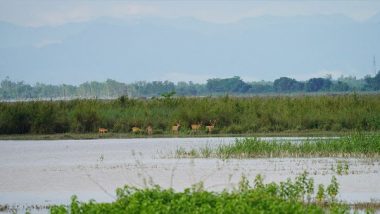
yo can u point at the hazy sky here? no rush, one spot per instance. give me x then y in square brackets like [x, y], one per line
[290, 48]
[54, 12]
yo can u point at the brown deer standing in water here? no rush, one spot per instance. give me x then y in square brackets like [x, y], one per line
[136, 129]
[103, 130]
[175, 128]
[149, 130]
[211, 126]
[195, 127]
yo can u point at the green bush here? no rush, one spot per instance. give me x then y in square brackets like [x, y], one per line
[287, 197]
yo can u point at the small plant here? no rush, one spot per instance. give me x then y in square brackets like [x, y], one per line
[243, 184]
[259, 181]
[346, 168]
[339, 168]
[309, 189]
[198, 187]
[332, 189]
[342, 168]
[206, 152]
[193, 153]
[320, 197]
[182, 152]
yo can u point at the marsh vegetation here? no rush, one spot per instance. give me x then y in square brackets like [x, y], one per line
[226, 115]
[356, 145]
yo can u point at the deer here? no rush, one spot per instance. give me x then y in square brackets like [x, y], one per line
[103, 130]
[211, 126]
[195, 127]
[136, 129]
[149, 130]
[176, 128]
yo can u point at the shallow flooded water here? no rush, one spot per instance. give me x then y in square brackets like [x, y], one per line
[50, 172]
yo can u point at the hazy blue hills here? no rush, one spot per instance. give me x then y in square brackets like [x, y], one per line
[134, 49]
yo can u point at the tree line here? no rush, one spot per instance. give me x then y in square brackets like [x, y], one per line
[11, 90]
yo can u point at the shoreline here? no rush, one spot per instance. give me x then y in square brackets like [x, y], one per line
[92, 136]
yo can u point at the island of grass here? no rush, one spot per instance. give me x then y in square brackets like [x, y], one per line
[362, 145]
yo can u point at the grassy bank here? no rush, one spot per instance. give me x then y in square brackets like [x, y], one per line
[84, 136]
[357, 145]
[291, 196]
[231, 115]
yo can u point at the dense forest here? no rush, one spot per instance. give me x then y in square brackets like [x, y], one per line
[229, 114]
[11, 90]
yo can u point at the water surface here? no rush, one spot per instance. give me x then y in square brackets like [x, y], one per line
[49, 172]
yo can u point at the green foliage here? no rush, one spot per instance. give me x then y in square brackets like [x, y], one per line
[232, 115]
[286, 197]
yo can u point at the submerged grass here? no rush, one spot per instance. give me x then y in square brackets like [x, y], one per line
[290, 196]
[356, 145]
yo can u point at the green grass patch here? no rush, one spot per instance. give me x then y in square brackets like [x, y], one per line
[356, 145]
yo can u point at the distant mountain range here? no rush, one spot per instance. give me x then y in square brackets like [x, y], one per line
[187, 49]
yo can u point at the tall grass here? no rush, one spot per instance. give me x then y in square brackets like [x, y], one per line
[233, 115]
[357, 145]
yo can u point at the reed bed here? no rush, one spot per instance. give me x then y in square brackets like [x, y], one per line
[357, 145]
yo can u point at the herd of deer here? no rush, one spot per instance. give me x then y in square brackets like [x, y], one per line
[175, 128]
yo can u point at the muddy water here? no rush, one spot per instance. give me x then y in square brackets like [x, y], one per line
[49, 172]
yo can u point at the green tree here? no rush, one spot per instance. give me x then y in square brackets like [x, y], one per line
[318, 84]
[373, 83]
[234, 84]
[285, 84]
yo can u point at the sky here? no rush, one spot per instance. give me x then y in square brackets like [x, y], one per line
[55, 12]
[37, 14]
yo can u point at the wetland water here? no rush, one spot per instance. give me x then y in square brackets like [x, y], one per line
[50, 172]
